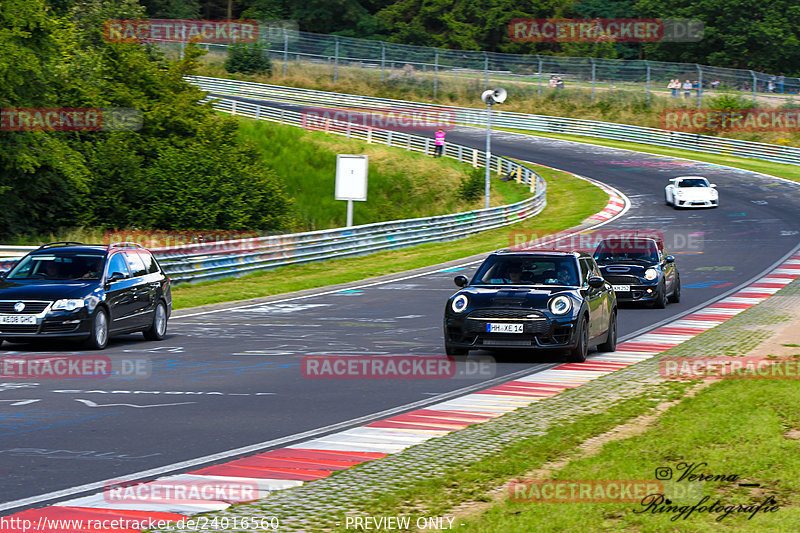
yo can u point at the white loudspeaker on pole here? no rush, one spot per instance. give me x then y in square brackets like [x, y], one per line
[490, 97]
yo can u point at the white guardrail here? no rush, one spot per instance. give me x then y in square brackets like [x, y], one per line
[463, 115]
[213, 260]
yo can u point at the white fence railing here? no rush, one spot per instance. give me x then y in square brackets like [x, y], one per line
[522, 121]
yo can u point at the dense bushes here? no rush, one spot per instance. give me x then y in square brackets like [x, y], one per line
[186, 168]
[248, 59]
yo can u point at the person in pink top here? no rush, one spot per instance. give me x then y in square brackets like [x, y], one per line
[439, 143]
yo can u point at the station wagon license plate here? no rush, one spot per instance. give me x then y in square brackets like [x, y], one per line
[504, 328]
[622, 288]
[18, 319]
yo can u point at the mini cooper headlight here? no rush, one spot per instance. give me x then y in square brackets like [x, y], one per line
[650, 274]
[560, 305]
[459, 303]
[68, 305]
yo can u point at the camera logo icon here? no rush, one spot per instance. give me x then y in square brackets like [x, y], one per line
[663, 473]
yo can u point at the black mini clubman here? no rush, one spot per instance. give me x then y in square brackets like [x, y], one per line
[532, 300]
[70, 289]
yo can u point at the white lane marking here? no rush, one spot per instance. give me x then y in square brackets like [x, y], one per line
[90, 403]
[20, 402]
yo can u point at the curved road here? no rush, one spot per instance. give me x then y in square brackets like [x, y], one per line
[233, 377]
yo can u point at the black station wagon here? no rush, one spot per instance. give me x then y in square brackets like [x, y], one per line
[70, 289]
[532, 300]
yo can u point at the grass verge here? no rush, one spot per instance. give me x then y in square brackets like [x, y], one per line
[570, 201]
[790, 172]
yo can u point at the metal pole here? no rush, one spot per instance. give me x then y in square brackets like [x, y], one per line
[755, 96]
[699, 86]
[485, 71]
[383, 61]
[647, 65]
[336, 61]
[593, 76]
[285, 50]
[488, 151]
[349, 213]
[540, 74]
[435, 71]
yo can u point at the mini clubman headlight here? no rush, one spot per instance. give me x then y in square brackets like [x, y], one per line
[560, 305]
[459, 303]
[650, 274]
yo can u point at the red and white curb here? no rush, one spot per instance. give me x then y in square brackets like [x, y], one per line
[616, 203]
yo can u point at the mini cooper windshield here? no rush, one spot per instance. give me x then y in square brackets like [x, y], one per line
[511, 270]
[626, 250]
[59, 266]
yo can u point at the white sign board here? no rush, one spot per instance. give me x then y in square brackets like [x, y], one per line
[351, 177]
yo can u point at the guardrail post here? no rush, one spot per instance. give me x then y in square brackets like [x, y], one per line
[647, 84]
[383, 61]
[460, 154]
[336, 60]
[755, 83]
[233, 107]
[435, 71]
[699, 86]
[327, 124]
[369, 135]
[389, 138]
[533, 184]
[408, 142]
[540, 75]
[281, 119]
[499, 167]
[485, 71]
[519, 174]
[285, 51]
[474, 158]
[258, 112]
[593, 76]
[348, 129]
[427, 144]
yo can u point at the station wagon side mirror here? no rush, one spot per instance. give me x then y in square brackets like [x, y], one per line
[595, 282]
[116, 276]
[670, 259]
[461, 281]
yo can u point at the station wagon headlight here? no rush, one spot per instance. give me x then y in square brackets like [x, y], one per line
[650, 274]
[560, 305]
[459, 303]
[68, 305]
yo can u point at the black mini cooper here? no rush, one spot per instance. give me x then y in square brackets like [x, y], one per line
[532, 300]
[640, 270]
[70, 289]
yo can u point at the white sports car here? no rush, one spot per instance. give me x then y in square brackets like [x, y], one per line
[691, 191]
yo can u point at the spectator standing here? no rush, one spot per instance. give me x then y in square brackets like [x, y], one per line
[687, 89]
[781, 81]
[674, 86]
[439, 143]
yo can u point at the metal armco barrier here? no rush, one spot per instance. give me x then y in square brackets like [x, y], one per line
[213, 260]
[570, 126]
